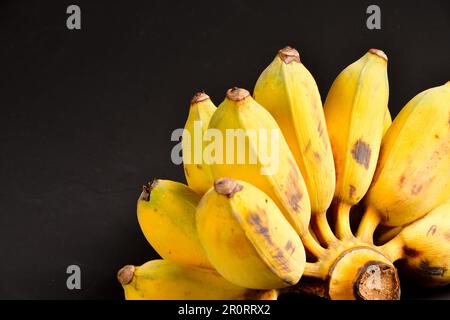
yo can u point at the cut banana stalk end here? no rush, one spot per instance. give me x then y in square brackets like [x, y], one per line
[379, 53]
[199, 97]
[126, 274]
[237, 94]
[288, 54]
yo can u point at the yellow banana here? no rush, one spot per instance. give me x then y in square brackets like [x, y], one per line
[424, 246]
[246, 237]
[266, 160]
[166, 214]
[289, 92]
[387, 121]
[166, 280]
[355, 113]
[413, 173]
[198, 173]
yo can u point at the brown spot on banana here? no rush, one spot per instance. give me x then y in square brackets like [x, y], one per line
[361, 153]
[428, 270]
[351, 191]
[293, 193]
[410, 252]
[320, 129]
[307, 147]
[261, 228]
[259, 222]
[415, 190]
[317, 156]
[432, 230]
[289, 247]
[401, 182]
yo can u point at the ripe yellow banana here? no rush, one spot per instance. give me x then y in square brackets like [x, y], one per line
[387, 121]
[166, 214]
[198, 173]
[246, 237]
[166, 280]
[413, 173]
[267, 161]
[424, 246]
[289, 92]
[355, 113]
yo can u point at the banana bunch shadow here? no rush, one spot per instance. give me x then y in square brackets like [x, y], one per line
[354, 192]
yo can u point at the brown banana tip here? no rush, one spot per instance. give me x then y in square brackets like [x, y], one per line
[147, 190]
[237, 94]
[126, 274]
[199, 97]
[379, 53]
[227, 187]
[288, 54]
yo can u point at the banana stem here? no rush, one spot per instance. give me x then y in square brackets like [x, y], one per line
[312, 245]
[323, 229]
[312, 269]
[368, 224]
[393, 249]
[343, 230]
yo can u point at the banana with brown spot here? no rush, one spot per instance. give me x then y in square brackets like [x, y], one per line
[260, 156]
[424, 247]
[166, 280]
[355, 113]
[289, 92]
[246, 237]
[413, 173]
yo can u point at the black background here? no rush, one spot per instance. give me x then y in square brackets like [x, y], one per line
[86, 116]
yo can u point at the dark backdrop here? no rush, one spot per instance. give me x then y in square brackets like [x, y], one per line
[86, 116]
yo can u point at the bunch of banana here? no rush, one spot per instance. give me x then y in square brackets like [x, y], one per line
[266, 210]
